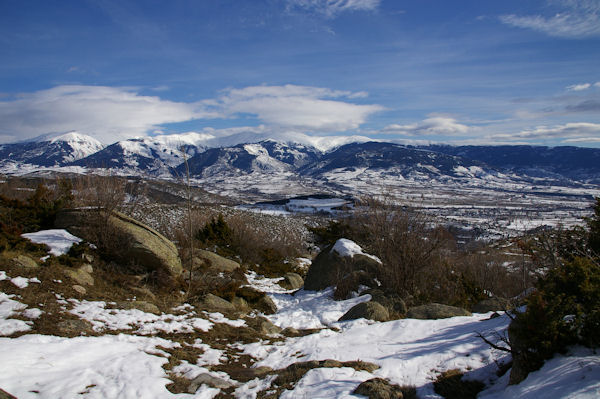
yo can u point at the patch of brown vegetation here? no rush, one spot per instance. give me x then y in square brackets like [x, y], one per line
[450, 385]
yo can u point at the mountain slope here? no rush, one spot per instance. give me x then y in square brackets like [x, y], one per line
[266, 156]
[50, 151]
[380, 156]
[149, 155]
[575, 163]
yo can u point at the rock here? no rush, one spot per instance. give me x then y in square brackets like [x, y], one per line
[213, 303]
[378, 388]
[211, 381]
[266, 305]
[81, 276]
[257, 372]
[240, 304]
[391, 301]
[86, 267]
[257, 300]
[144, 306]
[329, 265]
[144, 292]
[138, 243]
[433, 311]
[87, 258]
[290, 332]
[80, 289]
[366, 310]
[73, 327]
[25, 262]
[351, 283]
[292, 281]
[6, 395]
[263, 326]
[491, 305]
[212, 261]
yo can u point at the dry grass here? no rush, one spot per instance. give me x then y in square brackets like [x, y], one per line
[450, 385]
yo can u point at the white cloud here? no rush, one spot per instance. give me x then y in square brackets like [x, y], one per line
[579, 87]
[578, 19]
[107, 113]
[435, 125]
[116, 113]
[568, 132]
[300, 107]
[330, 8]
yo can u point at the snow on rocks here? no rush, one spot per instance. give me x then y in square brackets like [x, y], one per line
[310, 309]
[348, 248]
[59, 240]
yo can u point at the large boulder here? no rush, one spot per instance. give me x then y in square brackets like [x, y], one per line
[210, 260]
[137, 243]
[336, 261]
[433, 311]
[366, 310]
[390, 300]
[292, 281]
[213, 303]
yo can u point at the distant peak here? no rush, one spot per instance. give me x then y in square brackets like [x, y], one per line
[74, 136]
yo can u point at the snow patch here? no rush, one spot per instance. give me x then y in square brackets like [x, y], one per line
[59, 240]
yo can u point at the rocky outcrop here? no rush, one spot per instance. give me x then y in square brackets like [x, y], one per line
[136, 243]
[434, 311]
[210, 260]
[366, 310]
[330, 266]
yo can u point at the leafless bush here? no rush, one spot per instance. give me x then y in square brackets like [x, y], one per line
[409, 247]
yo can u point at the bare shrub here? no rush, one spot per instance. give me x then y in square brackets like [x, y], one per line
[409, 247]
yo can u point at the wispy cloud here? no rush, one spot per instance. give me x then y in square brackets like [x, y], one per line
[579, 87]
[108, 113]
[331, 8]
[291, 106]
[577, 19]
[569, 132]
[435, 125]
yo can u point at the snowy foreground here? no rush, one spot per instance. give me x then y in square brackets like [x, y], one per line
[129, 364]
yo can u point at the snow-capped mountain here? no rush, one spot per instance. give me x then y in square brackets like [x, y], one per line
[50, 150]
[252, 153]
[157, 155]
[266, 156]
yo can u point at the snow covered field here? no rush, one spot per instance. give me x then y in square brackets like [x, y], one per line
[126, 359]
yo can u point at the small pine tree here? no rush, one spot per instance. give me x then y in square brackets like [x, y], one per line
[594, 226]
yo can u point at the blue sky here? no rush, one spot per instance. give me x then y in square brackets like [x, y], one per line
[461, 72]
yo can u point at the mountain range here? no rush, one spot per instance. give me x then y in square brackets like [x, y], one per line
[205, 156]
